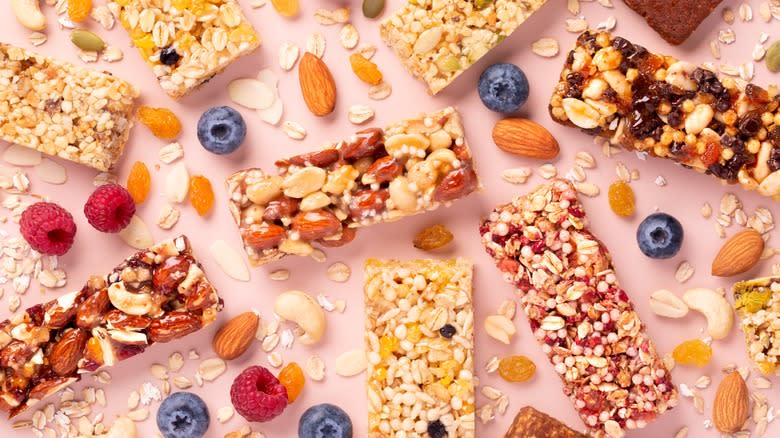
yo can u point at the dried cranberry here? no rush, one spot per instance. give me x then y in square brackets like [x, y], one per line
[126, 351]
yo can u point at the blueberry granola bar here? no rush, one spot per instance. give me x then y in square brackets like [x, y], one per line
[757, 303]
[671, 109]
[577, 310]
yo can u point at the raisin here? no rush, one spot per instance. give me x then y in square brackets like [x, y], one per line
[447, 331]
[201, 194]
[161, 121]
[169, 56]
[711, 154]
[749, 124]
[621, 199]
[366, 70]
[436, 429]
[692, 352]
[292, 378]
[78, 10]
[774, 159]
[138, 182]
[433, 237]
[286, 8]
[516, 369]
[574, 84]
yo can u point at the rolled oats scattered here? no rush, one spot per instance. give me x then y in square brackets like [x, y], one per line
[703, 382]
[88, 57]
[728, 15]
[182, 382]
[698, 401]
[622, 172]
[500, 328]
[139, 414]
[576, 25]
[492, 364]
[608, 24]
[318, 255]
[37, 38]
[682, 433]
[288, 55]
[366, 50]
[103, 15]
[546, 47]
[341, 305]
[761, 383]
[684, 272]
[765, 11]
[275, 359]
[727, 36]
[588, 189]
[294, 130]
[485, 413]
[746, 71]
[315, 368]
[316, 45]
[503, 403]
[168, 217]
[758, 52]
[256, 4]
[351, 363]
[547, 171]
[715, 49]
[279, 275]
[606, 3]
[270, 342]
[745, 12]
[518, 175]
[349, 36]
[573, 6]
[159, 371]
[359, 114]
[225, 413]
[507, 308]
[175, 362]
[211, 369]
[706, 210]
[660, 181]
[491, 393]
[171, 152]
[380, 92]
[325, 303]
[339, 272]
[328, 17]
[728, 69]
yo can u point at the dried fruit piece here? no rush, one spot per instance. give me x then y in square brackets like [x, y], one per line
[366, 70]
[692, 352]
[433, 237]
[161, 121]
[139, 182]
[286, 8]
[78, 10]
[292, 378]
[516, 369]
[621, 199]
[201, 194]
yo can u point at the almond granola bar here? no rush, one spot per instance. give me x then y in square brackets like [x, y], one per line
[577, 310]
[438, 40]
[62, 109]
[410, 167]
[530, 423]
[186, 42]
[671, 109]
[419, 338]
[156, 295]
[757, 303]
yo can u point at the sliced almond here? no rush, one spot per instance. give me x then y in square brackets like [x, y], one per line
[21, 156]
[177, 183]
[665, 303]
[51, 172]
[288, 55]
[351, 363]
[230, 260]
[251, 93]
[500, 328]
[273, 114]
[137, 234]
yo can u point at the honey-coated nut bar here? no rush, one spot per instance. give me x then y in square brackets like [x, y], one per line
[757, 303]
[62, 109]
[438, 40]
[155, 295]
[420, 348]
[186, 42]
[530, 423]
[672, 109]
[577, 310]
[377, 176]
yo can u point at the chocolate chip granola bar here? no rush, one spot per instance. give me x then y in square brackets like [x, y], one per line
[757, 303]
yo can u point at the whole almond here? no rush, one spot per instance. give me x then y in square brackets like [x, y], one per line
[730, 408]
[739, 254]
[525, 138]
[235, 337]
[317, 85]
[66, 353]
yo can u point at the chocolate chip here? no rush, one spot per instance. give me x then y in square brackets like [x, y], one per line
[168, 56]
[436, 429]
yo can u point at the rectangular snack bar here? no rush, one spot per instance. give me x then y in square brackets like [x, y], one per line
[155, 295]
[420, 348]
[438, 40]
[62, 109]
[671, 109]
[674, 20]
[186, 42]
[377, 176]
[530, 423]
[578, 312]
[757, 303]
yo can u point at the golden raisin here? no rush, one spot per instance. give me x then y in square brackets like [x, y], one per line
[366, 70]
[161, 121]
[138, 182]
[388, 345]
[78, 10]
[286, 8]
[433, 237]
[516, 369]
[201, 194]
[621, 198]
[692, 352]
[291, 377]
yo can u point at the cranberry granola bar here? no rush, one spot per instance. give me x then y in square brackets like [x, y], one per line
[584, 321]
[530, 423]
[156, 295]
[672, 109]
[377, 176]
[757, 303]
[419, 338]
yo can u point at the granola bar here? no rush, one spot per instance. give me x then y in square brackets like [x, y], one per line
[578, 312]
[757, 303]
[665, 16]
[438, 40]
[530, 423]
[377, 176]
[186, 42]
[419, 338]
[672, 109]
[62, 109]
[156, 295]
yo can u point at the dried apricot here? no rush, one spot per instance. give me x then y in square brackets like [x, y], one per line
[292, 378]
[692, 352]
[366, 70]
[139, 182]
[621, 198]
[161, 121]
[78, 10]
[433, 237]
[201, 194]
[286, 8]
[516, 369]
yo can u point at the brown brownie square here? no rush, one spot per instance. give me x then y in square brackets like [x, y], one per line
[674, 20]
[530, 423]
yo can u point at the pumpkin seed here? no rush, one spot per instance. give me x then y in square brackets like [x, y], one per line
[773, 57]
[87, 41]
[372, 8]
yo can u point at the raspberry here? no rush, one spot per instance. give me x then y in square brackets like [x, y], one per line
[257, 395]
[48, 228]
[109, 208]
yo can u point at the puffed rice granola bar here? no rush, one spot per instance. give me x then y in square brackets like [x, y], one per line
[577, 310]
[420, 343]
[410, 167]
[62, 109]
[672, 109]
[438, 40]
[156, 295]
[186, 42]
[757, 303]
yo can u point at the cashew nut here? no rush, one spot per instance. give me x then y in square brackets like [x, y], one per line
[302, 309]
[715, 308]
[131, 303]
[29, 14]
[123, 427]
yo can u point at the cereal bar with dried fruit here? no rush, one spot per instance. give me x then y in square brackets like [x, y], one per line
[577, 310]
[672, 109]
[186, 42]
[438, 40]
[420, 344]
[530, 423]
[379, 175]
[62, 109]
[155, 295]
[757, 303]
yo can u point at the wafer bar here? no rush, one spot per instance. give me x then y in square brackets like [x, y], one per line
[530, 423]
[757, 303]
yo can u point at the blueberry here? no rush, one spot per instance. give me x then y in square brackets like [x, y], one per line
[324, 421]
[221, 130]
[183, 415]
[169, 56]
[436, 429]
[659, 236]
[503, 88]
[447, 330]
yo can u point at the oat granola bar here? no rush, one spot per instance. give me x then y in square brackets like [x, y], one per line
[530, 423]
[438, 40]
[419, 338]
[186, 42]
[757, 303]
[62, 109]
[577, 310]
[672, 109]
[410, 167]
[665, 16]
[156, 295]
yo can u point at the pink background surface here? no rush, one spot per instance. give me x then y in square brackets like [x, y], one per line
[94, 252]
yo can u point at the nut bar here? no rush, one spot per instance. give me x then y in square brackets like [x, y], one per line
[757, 303]
[186, 42]
[578, 312]
[420, 348]
[530, 423]
[672, 109]
[668, 19]
[156, 295]
[63, 109]
[438, 40]
[377, 176]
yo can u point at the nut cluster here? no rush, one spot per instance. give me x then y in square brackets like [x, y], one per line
[757, 302]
